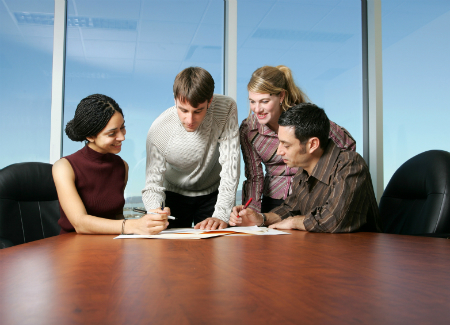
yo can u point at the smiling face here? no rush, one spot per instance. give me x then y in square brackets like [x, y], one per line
[109, 140]
[191, 117]
[267, 108]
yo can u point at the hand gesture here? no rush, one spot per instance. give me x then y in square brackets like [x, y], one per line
[244, 217]
[149, 224]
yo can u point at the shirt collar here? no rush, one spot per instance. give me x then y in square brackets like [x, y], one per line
[93, 155]
[322, 171]
[261, 128]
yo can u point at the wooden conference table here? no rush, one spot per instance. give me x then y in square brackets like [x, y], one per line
[302, 278]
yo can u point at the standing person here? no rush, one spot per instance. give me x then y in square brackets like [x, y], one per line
[271, 91]
[91, 182]
[193, 154]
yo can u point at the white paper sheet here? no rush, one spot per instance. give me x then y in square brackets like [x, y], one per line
[191, 233]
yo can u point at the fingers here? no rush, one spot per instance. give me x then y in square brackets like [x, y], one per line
[153, 220]
[147, 225]
[167, 209]
[159, 211]
[236, 209]
[156, 230]
[234, 221]
[234, 216]
[278, 225]
[158, 214]
[223, 225]
[217, 224]
[203, 224]
[283, 224]
[245, 213]
[211, 224]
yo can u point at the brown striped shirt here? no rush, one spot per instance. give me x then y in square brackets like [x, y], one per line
[338, 196]
[259, 146]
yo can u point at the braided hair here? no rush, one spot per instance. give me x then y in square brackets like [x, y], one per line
[91, 116]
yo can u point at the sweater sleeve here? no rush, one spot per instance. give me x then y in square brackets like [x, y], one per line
[153, 192]
[229, 159]
[254, 183]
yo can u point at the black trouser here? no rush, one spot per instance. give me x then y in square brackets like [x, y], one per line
[188, 209]
[269, 203]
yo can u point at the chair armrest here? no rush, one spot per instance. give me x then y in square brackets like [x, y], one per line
[5, 243]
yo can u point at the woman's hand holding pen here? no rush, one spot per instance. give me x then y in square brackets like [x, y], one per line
[149, 224]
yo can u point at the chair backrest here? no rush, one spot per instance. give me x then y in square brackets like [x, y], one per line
[29, 208]
[416, 200]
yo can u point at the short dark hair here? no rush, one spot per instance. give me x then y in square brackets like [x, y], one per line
[91, 116]
[194, 85]
[308, 121]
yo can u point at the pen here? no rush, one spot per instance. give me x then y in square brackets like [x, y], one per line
[145, 212]
[246, 205]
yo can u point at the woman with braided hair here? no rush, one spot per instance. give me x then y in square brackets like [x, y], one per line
[91, 182]
[272, 90]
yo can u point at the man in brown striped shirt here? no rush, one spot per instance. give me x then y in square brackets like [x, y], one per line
[331, 192]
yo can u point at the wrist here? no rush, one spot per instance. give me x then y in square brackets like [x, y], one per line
[128, 228]
[122, 228]
[263, 219]
[299, 223]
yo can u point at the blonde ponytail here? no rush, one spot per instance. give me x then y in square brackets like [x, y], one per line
[294, 95]
[274, 80]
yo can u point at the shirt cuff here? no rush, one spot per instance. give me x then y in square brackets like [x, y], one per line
[221, 217]
[309, 222]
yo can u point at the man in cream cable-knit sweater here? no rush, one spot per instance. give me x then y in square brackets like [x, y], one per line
[193, 154]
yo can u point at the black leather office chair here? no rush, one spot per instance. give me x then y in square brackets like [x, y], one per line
[29, 208]
[417, 199]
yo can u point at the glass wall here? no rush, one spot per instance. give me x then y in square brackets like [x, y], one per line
[26, 47]
[416, 79]
[131, 51]
[319, 40]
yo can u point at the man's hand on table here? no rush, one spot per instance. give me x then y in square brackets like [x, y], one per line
[211, 224]
[295, 222]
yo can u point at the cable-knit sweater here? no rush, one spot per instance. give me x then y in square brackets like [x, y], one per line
[195, 163]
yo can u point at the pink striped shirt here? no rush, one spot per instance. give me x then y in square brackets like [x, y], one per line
[259, 146]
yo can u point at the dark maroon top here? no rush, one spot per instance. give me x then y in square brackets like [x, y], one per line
[100, 182]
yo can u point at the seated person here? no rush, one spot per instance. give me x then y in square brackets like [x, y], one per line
[91, 182]
[193, 154]
[331, 192]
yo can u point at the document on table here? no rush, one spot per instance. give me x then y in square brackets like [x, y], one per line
[191, 233]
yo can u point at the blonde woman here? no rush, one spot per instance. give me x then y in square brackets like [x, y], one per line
[271, 91]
